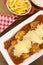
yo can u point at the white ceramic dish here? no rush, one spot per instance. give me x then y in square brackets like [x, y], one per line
[38, 3]
[10, 34]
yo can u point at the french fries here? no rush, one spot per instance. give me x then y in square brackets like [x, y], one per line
[19, 7]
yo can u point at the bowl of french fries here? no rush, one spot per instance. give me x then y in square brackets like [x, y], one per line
[19, 7]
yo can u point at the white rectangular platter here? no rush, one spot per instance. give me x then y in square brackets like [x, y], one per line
[11, 33]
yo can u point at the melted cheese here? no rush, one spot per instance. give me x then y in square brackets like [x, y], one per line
[24, 46]
[35, 35]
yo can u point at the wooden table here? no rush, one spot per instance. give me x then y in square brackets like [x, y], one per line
[4, 10]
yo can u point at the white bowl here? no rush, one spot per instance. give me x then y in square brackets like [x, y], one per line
[38, 4]
[16, 13]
